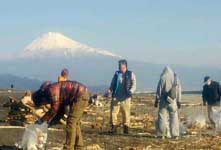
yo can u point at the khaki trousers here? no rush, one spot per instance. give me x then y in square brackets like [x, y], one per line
[123, 106]
[74, 139]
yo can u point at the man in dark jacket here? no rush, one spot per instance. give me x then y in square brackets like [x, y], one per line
[59, 95]
[123, 85]
[211, 96]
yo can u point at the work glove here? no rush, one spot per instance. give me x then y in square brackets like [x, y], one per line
[178, 105]
[39, 121]
[156, 104]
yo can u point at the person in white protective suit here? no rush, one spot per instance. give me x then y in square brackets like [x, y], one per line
[168, 97]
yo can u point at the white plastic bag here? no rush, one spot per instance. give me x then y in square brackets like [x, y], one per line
[199, 121]
[196, 122]
[216, 116]
[35, 137]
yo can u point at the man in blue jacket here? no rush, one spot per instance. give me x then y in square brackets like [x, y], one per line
[122, 87]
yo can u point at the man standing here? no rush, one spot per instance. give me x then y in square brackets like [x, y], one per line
[122, 87]
[59, 95]
[168, 98]
[211, 96]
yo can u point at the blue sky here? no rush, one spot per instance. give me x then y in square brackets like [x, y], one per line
[158, 31]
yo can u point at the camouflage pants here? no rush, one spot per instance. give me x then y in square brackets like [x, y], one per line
[124, 106]
[74, 139]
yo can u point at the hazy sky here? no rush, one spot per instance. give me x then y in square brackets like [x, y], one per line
[161, 31]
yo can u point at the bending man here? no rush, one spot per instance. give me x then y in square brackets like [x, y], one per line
[59, 95]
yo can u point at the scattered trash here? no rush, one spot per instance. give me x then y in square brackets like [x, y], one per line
[141, 135]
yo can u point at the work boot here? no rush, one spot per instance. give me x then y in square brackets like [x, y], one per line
[126, 130]
[113, 129]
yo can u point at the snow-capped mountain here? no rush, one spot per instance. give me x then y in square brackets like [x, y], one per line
[54, 44]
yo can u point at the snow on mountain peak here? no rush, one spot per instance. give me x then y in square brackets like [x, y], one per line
[56, 44]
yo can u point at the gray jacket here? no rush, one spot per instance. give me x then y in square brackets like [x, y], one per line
[165, 84]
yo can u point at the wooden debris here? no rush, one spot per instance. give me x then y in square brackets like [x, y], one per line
[23, 127]
[99, 118]
[93, 147]
[142, 121]
[138, 148]
[191, 104]
[97, 126]
[30, 118]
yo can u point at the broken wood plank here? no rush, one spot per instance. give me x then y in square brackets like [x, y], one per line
[20, 127]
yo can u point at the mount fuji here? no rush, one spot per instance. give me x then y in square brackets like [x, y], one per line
[45, 56]
[54, 44]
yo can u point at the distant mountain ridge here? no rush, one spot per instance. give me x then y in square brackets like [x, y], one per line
[21, 83]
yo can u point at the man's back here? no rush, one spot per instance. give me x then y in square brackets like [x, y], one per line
[211, 93]
[66, 90]
[61, 94]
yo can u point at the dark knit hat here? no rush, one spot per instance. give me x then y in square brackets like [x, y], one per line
[206, 79]
[122, 61]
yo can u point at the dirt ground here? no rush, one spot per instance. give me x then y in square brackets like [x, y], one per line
[95, 126]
